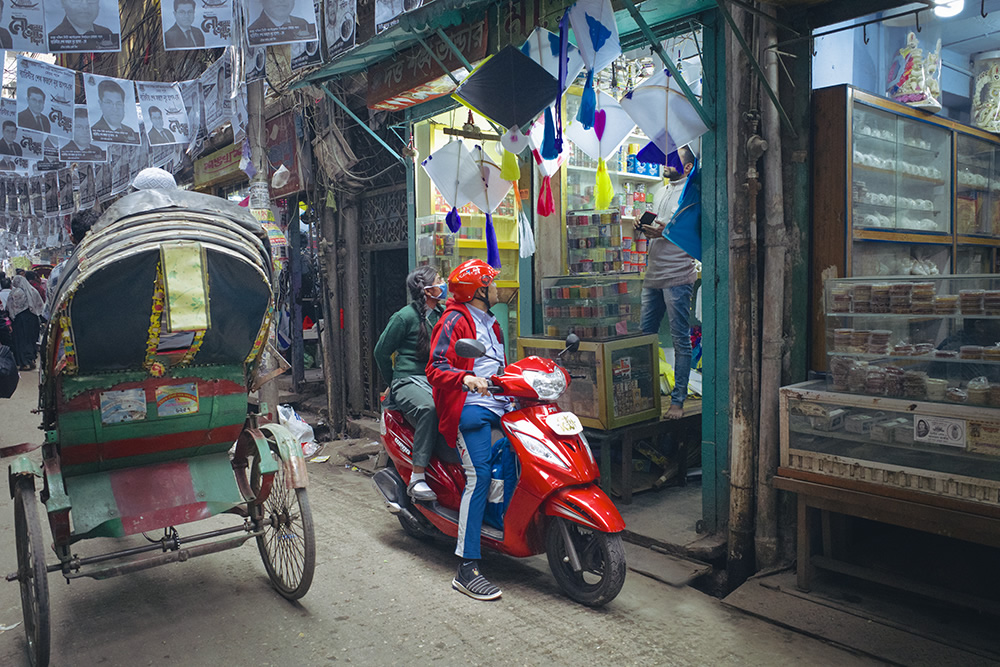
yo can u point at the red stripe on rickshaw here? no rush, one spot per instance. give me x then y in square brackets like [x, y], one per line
[117, 449]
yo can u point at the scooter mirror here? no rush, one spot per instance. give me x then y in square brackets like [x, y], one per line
[469, 348]
[572, 344]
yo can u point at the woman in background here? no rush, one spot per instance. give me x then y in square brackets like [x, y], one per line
[25, 305]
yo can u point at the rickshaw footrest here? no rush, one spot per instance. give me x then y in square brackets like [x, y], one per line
[180, 555]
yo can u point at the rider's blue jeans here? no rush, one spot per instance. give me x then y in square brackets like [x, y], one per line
[676, 303]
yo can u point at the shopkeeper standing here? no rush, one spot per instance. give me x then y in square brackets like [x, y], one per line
[671, 271]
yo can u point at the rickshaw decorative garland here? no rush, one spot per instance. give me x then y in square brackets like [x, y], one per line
[188, 357]
[262, 334]
[68, 349]
[155, 367]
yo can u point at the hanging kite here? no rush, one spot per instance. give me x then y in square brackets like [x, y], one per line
[509, 88]
[449, 168]
[486, 190]
[611, 127]
[667, 117]
[593, 23]
[544, 48]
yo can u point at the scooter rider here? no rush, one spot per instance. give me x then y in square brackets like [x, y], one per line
[466, 410]
[407, 335]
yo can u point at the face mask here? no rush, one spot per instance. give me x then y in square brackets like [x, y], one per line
[444, 291]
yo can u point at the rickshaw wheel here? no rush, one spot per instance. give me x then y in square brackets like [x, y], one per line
[32, 574]
[287, 546]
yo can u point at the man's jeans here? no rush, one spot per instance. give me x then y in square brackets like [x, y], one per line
[676, 302]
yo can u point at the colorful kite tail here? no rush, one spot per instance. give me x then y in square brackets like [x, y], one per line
[492, 250]
[588, 103]
[545, 204]
[605, 190]
[549, 151]
[453, 220]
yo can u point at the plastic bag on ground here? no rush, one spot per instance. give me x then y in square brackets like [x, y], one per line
[303, 432]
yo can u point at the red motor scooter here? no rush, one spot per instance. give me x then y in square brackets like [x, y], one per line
[556, 507]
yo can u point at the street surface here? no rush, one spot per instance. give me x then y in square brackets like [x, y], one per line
[378, 598]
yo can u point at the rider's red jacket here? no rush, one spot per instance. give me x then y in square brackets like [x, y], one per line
[446, 370]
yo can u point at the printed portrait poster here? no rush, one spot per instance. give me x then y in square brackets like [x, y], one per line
[50, 192]
[66, 201]
[280, 22]
[87, 187]
[21, 145]
[45, 97]
[81, 148]
[308, 54]
[82, 26]
[215, 93]
[35, 187]
[164, 117]
[340, 23]
[111, 108]
[21, 188]
[102, 181]
[23, 26]
[50, 156]
[196, 24]
[387, 12]
[256, 63]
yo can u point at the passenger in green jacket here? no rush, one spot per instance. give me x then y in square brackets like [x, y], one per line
[407, 335]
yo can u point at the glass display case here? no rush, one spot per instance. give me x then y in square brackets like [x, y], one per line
[935, 339]
[594, 307]
[904, 445]
[619, 379]
[897, 192]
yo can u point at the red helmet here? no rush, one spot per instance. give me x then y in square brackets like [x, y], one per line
[468, 277]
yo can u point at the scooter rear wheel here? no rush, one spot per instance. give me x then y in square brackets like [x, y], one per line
[602, 560]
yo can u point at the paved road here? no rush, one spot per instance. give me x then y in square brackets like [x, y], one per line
[379, 598]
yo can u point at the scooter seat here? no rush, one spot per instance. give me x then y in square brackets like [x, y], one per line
[446, 454]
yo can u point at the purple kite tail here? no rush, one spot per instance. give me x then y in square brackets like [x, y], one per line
[588, 103]
[492, 250]
[453, 220]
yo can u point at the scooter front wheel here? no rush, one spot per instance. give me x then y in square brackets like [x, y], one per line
[601, 557]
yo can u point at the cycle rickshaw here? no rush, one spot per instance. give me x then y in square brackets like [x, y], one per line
[158, 327]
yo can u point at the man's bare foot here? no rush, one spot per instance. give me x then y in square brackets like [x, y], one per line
[675, 411]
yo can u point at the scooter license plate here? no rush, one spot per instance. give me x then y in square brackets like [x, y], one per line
[564, 423]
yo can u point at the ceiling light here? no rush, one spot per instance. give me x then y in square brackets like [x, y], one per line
[946, 8]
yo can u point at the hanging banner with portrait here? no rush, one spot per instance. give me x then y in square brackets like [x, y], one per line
[111, 109]
[50, 156]
[66, 201]
[45, 97]
[215, 93]
[280, 22]
[82, 148]
[86, 186]
[387, 12]
[196, 24]
[35, 186]
[163, 114]
[83, 26]
[23, 26]
[17, 146]
[340, 22]
[102, 181]
[308, 54]
[50, 192]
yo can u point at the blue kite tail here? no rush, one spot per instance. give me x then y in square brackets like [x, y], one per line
[588, 103]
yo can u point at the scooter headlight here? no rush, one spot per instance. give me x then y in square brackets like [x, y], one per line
[548, 386]
[540, 449]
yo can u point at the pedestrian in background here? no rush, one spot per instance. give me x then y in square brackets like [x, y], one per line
[25, 305]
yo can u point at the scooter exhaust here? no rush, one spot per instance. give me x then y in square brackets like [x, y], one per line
[389, 487]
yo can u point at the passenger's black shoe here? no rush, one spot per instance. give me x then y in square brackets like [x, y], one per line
[472, 583]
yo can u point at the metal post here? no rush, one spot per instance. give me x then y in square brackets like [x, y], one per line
[268, 394]
[295, 295]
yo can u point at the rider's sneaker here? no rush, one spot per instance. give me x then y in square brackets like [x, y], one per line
[420, 492]
[472, 583]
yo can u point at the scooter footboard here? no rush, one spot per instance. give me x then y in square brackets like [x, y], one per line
[587, 506]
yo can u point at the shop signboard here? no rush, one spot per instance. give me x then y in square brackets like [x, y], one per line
[219, 167]
[414, 77]
[282, 149]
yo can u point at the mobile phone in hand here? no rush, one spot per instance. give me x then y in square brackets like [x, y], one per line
[647, 218]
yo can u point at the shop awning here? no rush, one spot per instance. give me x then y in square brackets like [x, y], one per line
[444, 14]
